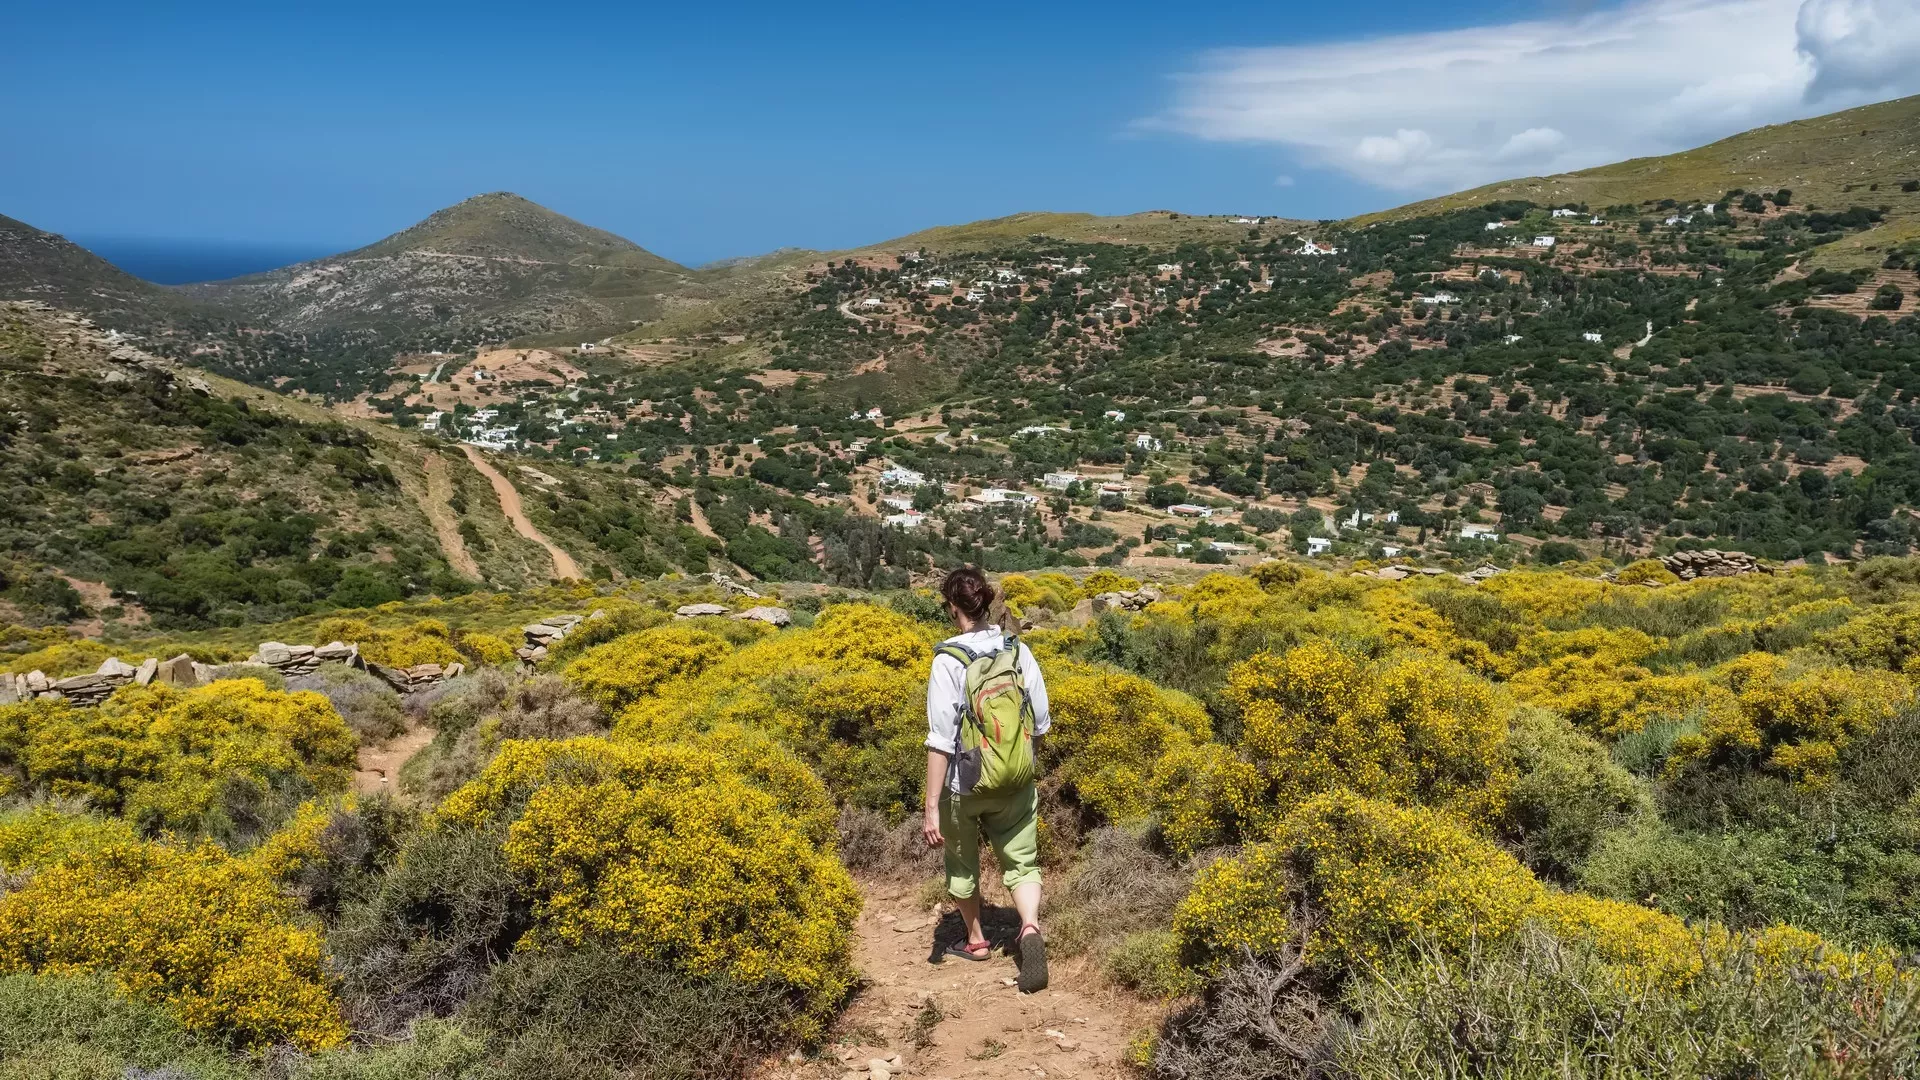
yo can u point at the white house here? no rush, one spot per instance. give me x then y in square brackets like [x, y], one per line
[1116, 415]
[1190, 510]
[1680, 219]
[874, 414]
[1076, 271]
[974, 296]
[1319, 545]
[1035, 429]
[1144, 441]
[1389, 550]
[1596, 220]
[1060, 481]
[1441, 297]
[1472, 531]
[897, 503]
[1168, 268]
[1121, 491]
[1311, 248]
[588, 346]
[1510, 339]
[1494, 226]
[1592, 335]
[906, 519]
[1246, 221]
[1543, 241]
[1008, 275]
[1002, 497]
[901, 476]
[1228, 547]
[1562, 212]
[873, 302]
[938, 283]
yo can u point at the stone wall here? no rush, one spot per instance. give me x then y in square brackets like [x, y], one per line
[291, 661]
[1687, 565]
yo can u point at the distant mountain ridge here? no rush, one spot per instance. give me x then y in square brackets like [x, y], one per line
[39, 265]
[495, 263]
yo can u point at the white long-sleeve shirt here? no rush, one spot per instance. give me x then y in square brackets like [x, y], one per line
[947, 694]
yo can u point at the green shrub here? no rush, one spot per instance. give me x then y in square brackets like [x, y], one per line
[1542, 1008]
[628, 668]
[1148, 963]
[1569, 792]
[368, 705]
[444, 913]
[81, 1026]
[598, 1014]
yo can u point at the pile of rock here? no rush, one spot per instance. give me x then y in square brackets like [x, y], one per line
[1125, 600]
[294, 661]
[1687, 565]
[412, 680]
[543, 635]
[698, 611]
[1480, 574]
[79, 689]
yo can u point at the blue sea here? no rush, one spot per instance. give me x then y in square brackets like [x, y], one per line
[180, 262]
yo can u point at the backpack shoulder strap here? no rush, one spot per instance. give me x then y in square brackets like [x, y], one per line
[958, 651]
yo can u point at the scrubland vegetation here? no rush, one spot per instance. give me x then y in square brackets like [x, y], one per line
[1545, 825]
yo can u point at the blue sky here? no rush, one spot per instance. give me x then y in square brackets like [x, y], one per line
[706, 131]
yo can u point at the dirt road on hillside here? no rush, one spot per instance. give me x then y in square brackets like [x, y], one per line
[1078, 1028]
[564, 567]
[439, 495]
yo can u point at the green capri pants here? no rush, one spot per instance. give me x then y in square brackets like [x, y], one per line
[1012, 825]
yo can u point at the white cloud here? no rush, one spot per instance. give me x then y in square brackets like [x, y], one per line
[1283, 180]
[1870, 46]
[1452, 109]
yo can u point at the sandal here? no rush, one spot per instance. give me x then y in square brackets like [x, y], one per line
[1033, 959]
[969, 950]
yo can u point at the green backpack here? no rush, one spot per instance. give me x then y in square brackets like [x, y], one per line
[995, 744]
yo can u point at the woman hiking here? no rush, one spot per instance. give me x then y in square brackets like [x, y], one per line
[986, 703]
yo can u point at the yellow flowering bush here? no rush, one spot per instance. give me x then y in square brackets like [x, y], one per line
[1105, 580]
[1411, 728]
[1647, 572]
[1607, 696]
[698, 855]
[847, 694]
[1109, 730]
[202, 933]
[1404, 621]
[1794, 726]
[1545, 596]
[43, 835]
[1884, 638]
[427, 641]
[168, 758]
[1204, 794]
[1381, 877]
[628, 668]
[482, 648]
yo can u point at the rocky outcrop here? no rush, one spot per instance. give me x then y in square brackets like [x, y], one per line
[736, 587]
[1688, 565]
[772, 616]
[541, 636]
[696, 611]
[294, 661]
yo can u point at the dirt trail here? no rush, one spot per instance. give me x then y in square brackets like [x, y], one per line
[378, 768]
[564, 567]
[1078, 1028]
[439, 495]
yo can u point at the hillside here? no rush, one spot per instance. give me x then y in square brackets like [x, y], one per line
[145, 493]
[493, 267]
[1860, 155]
[1158, 228]
[38, 265]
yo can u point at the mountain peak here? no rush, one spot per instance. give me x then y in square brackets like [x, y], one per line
[501, 224]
